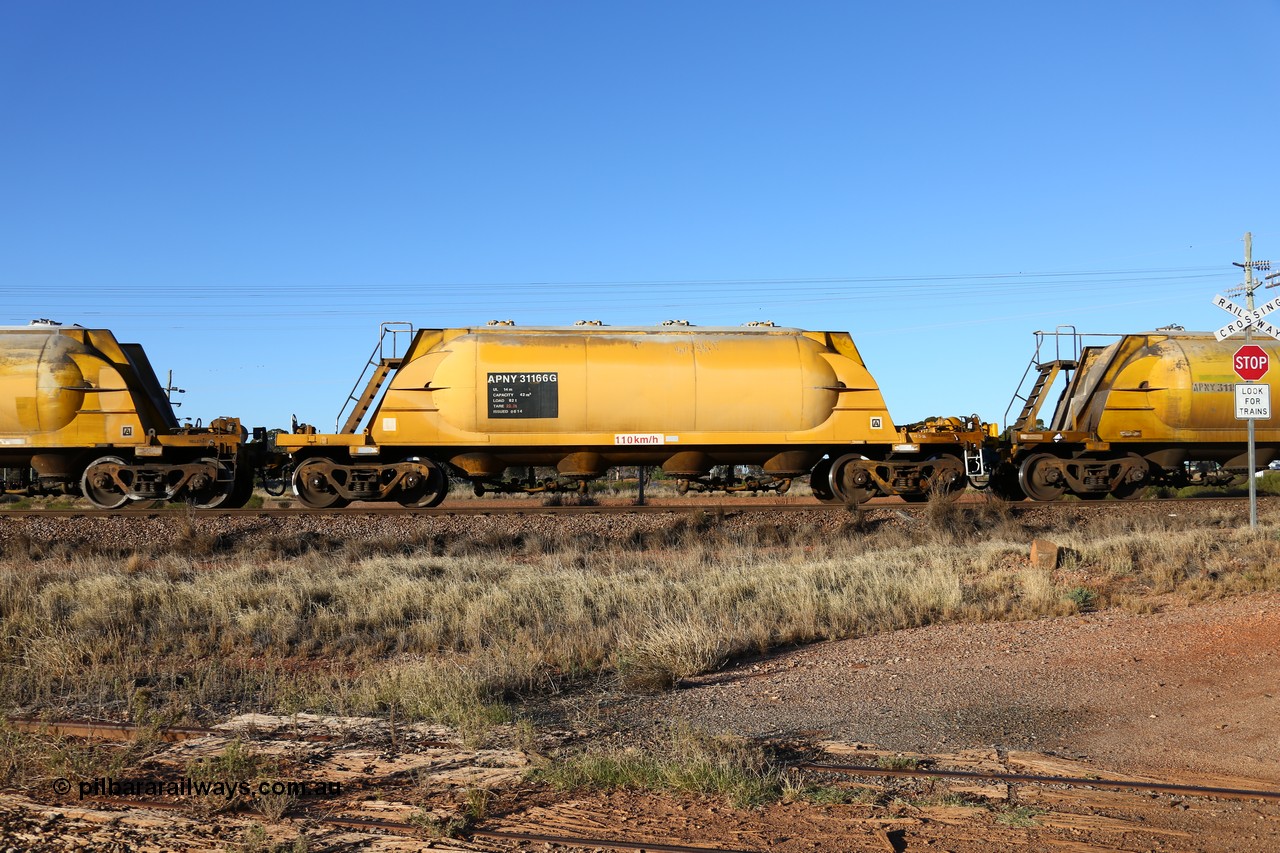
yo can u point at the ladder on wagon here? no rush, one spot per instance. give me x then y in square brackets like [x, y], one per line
[396, 337]
[1046, 373]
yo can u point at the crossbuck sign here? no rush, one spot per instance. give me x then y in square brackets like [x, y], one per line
[1246, 318]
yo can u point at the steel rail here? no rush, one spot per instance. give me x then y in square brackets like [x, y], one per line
[104, 731]
[1078, 781]
[94, 730]
[374, 512]
[1015, 507]
[607, 844]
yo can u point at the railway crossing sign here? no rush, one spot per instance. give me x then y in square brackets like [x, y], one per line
[1245, 318]
[1251, 362]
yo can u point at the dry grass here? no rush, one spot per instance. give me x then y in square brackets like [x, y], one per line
[684, 761]
[27, 757]
[449, 631]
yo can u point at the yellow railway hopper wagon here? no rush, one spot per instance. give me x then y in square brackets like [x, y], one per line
[480, 402]
[87, 414]
[1143, 410]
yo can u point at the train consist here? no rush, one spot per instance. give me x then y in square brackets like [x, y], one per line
[541, 409]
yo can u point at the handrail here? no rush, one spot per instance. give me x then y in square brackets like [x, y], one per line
[1068, 360]
[394, 328]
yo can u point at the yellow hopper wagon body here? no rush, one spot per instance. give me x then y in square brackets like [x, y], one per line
[492, 404]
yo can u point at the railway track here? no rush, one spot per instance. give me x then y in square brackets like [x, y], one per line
[97, 730]
[490, 834]
[1071, 781]
[109, 731]
[497, 509]
[411, 830]
[617, 835]
[381, 512]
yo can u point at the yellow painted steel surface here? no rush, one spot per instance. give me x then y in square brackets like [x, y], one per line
[1174, 387]
[616, 387]
[67, 387]
[38, 378]
[59, 387]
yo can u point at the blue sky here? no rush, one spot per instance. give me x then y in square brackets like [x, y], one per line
[249, 189]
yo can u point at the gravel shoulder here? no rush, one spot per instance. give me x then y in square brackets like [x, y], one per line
[1187, 690]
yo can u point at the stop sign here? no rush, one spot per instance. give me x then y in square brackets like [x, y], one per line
[1251, 362]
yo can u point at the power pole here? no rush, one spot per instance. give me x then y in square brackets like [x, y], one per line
[1248, 339]
[1248, 287]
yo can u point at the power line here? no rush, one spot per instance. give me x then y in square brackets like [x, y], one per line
[1046, 277]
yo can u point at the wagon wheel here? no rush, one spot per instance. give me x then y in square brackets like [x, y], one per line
[842, 484]
[242, 489]
[819, 483]
[1034, 478]
[1128, 491]
[213, 493]
[312, 486]
[99, 485]
[429, 486]
[1004, 484]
